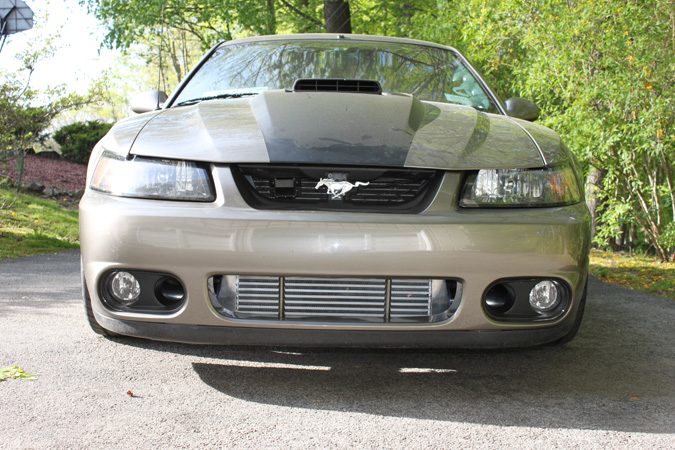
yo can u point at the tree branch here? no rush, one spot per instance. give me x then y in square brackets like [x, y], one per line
[300, 13]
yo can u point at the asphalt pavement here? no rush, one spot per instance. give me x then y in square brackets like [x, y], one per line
[612, 387]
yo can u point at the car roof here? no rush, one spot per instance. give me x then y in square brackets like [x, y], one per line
[336, 36]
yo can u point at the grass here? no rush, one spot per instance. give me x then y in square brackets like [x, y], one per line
[34, 226]
[640, 273]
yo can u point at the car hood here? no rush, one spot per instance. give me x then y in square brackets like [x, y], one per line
[337, 128]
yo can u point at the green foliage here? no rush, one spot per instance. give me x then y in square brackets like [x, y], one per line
[24, 112]
[210, 21]
[15, 373]
[603, 73]
[668, 235]
[392, 17]
[78, 139]
[20, 123]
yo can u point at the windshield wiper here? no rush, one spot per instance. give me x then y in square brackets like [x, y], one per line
[193, 101]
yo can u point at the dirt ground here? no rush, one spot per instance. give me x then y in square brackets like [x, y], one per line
[52, 173]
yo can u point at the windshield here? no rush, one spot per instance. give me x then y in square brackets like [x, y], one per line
[428, 73]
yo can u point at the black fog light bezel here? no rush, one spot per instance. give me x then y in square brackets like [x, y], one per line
[161, 293]
[508, 300]
[499, 298]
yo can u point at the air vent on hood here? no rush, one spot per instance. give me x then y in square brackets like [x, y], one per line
[333, 85]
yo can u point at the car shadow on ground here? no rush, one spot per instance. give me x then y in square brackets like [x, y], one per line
[616, 375]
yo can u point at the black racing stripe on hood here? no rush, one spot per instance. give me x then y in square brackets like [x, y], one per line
[326, 128]
[337, 128]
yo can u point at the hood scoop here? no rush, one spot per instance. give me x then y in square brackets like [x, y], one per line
[337, 85]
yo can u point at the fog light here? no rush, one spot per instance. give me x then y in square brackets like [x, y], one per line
[125, 288]
[544, 296]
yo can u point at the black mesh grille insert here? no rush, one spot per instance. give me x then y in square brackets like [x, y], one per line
[373, 190]
[337, 85]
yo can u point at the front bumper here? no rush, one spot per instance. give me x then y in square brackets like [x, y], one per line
[196, 241]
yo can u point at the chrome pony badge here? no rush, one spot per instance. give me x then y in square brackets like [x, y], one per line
[338, 188]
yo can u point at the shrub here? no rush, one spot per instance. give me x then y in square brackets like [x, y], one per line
[78, 139]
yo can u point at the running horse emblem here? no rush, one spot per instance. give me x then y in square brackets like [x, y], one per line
[338, 188]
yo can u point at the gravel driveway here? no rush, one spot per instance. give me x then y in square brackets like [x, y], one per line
[612, 387]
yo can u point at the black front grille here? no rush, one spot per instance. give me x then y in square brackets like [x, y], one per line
[376, 190]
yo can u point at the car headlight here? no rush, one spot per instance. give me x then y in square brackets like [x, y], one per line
[499, 188]
[151, 178]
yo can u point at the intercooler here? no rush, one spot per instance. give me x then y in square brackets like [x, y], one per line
[333, 299]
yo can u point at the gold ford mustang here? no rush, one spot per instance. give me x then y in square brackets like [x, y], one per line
[337, 190]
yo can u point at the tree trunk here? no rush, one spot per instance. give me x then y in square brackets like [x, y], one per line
[177, 69]
[271, 18]
[337, 15]
[593, 186]
[632, 237]
[621, 238]
[407, 13]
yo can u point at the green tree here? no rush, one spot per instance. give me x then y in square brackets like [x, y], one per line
[25, 113]
[604, 74]
[208, 21]
[78, 139]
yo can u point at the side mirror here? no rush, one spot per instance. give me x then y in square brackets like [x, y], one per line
[522, 109]
[147, 101]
